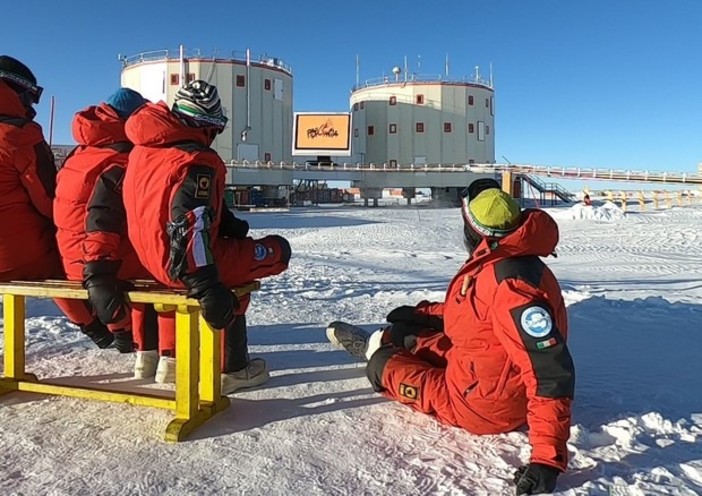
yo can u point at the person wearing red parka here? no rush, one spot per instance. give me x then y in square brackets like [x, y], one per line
[27, 184]
[92, 229]
[182, 230]
[492, 356]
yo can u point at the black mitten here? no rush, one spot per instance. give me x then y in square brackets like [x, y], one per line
[230, 226]
[124, 341]
[218, 305]
[98, 333]
[409, 314]
[535, 478]
[106, 295]
[236, 228]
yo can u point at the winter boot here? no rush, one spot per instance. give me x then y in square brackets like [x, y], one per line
[146, 364]
[98, 333]
[166, 370]
[354, 339]
[254, 374]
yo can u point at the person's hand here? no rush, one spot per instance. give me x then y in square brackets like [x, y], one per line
[218, 305]
[409, 315]
[124, 341]
[405, 313]
[535, 478]
[106, 295]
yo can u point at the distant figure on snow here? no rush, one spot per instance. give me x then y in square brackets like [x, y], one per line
[493, 356]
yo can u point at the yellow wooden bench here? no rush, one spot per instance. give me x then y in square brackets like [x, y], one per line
[198, 385]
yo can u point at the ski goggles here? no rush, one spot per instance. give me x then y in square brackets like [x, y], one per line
[33, 90]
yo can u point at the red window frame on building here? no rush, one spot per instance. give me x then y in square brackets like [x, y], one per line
[240, 81]
[392, 128]
[420, 100]
[267, 84]
[447, 127]
[393, 100]
[471, 128]
[175, 79]
[371, 130]
[419, 127]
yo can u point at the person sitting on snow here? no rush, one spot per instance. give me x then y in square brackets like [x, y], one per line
[493, 356]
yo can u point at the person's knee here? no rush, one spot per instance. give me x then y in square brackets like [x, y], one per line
[376, 366]
[285, 248]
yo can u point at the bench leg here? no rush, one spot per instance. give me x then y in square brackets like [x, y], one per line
[187, 371]
[211, 369]
[14, 331]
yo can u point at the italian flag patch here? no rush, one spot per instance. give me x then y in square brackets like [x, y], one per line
[542, 345]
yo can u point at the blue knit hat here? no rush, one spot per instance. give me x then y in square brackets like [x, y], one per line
[125, 101]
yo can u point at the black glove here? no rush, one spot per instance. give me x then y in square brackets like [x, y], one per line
[536, 478]
[124, 341]
[230, 226]
[235, 228]
[409, 314]
[405, 313]
[218, 305]
[106, 295]
[217, 302]
[98, 333]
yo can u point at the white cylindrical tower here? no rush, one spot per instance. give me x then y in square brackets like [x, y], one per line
[256, 93]
[410, 119]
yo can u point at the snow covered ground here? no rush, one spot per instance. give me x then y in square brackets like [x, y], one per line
[634, 289]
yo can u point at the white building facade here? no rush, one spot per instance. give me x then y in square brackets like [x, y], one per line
[256, 93]
[423, 120]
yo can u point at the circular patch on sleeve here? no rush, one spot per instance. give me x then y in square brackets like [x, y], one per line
[260, 252]
[536, 322]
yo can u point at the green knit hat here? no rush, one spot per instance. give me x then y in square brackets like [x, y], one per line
[493, 213]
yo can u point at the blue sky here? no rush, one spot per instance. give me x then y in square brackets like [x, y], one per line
[578, 83]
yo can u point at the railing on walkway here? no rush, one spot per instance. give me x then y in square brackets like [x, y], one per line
[532, 170]
[552, 188]
[421, 78]
[196, 53]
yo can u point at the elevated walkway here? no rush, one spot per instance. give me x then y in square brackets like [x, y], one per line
[433, 175]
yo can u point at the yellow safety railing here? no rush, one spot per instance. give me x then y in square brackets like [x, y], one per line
[198, 394]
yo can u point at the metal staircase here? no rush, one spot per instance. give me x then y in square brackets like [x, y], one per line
[545, 189]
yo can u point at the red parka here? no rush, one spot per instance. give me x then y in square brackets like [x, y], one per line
[88, 209]
[27, 182]
[173, 175]
[504, 356]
